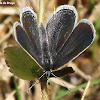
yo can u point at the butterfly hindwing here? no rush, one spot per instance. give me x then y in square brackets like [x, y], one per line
[81, 37]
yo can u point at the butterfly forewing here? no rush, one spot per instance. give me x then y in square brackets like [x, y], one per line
[28, 19]
[27, 34]
[81, 37]
[60, 26]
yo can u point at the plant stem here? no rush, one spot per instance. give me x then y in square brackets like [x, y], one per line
[43, 81]
[41, 11]
[85, 91]
[17, 90]
[44, 89]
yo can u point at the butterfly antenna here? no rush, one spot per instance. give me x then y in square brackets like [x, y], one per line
[35, 83]
[61, 81]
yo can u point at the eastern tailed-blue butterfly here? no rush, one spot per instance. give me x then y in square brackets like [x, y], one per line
[60, 41]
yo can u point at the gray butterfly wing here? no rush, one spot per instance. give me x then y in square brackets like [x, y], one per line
[80, 39]
[27, 34]
[59, 27]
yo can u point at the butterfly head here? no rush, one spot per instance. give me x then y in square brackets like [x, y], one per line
[47, 73]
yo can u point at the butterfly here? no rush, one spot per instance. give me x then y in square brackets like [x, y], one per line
[61, 40]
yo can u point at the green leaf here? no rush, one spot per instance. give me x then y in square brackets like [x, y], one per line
[21, 64]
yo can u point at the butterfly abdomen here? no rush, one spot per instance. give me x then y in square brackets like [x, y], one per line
[46, 58]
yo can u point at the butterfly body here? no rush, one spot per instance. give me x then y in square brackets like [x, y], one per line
[46, 59]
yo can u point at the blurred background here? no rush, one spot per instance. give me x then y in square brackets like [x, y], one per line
[86, 65]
